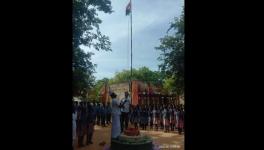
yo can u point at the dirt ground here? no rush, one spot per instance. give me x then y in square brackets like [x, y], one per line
[168, 141]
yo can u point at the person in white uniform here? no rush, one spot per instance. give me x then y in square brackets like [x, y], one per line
[116, 127]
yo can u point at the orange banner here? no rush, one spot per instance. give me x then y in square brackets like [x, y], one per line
[134, 93]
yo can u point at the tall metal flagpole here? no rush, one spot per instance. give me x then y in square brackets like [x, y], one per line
[131, 49]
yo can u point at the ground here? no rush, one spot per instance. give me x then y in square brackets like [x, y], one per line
[166, 141]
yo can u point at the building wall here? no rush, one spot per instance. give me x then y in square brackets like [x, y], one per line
[121, 88]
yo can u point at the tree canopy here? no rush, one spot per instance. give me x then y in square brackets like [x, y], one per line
[85, 19]
[172, 56]
[143, 74]
[86, 32]
[94, 92]
[82, 72]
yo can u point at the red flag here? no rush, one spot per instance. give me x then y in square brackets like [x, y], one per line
[128, 8]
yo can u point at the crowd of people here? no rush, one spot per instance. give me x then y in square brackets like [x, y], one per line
[103, 114]
[85, 115]
[167, 117]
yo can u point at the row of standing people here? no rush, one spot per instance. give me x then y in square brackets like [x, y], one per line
[86, 115]
[103, 114]
[164, 117]
[83, 121]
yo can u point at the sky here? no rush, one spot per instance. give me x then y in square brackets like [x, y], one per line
[151, 20]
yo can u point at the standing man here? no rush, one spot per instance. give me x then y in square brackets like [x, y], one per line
[103, 115]
[91, 123]
[181, 119]
[125, 104]
[116, 128]
[98, 116]
[82, 122]
[164, 112]
[87, 116]
[108, 116]
[136, 116]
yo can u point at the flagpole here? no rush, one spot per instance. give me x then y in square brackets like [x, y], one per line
[131, 50]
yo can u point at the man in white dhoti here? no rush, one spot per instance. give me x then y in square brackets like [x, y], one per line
[116, 127]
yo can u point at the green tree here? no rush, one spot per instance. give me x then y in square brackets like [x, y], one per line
[82, 69]
[168, 85]
[85, 19]
[123, 76]
[143, 74]
[86, 32]
[94, 93]
[172, 57]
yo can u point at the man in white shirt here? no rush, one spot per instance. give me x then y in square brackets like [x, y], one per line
[125, 105]
[116, 129]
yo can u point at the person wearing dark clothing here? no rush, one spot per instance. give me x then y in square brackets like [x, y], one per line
[131, 117]
[91, 123]
[172, 118]
[140, 116]
[82, 123]
[161, 118]
[157, 118]
[136, 116]
[98, 116]
[78, 110]
[108, 113]
[144, 118]
[150, 116]
[181, 120]
[88, 117]
[167, 120]
[103, 115]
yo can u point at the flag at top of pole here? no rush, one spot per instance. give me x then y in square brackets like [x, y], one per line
[128, 8]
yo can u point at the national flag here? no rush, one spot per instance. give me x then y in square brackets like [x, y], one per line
[128, 8]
